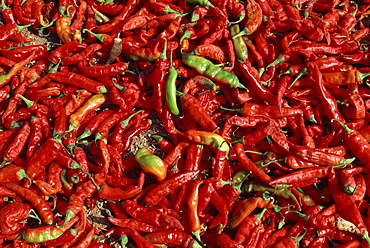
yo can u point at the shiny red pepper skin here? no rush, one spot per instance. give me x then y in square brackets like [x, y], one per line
[117, 20]
[20, 53]
[16, 147]
[197, 112]
[72, 79]
[18, 12]
[60, 123]
[64, 50]
[164, 188]
[38, 202]
[99, 71]
[42, 157]
[170, 237]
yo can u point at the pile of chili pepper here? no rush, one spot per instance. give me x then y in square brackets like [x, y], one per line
[256, 112]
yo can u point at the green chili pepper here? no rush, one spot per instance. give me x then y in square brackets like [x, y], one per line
[201, 2]
[210, 70]
[151, 163]
[207, 138]
[240, 176]
[241, 49]
[279, 191]
[46, 233]
[171, 90]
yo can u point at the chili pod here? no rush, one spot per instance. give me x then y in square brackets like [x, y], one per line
[210, 70]
[151, 163]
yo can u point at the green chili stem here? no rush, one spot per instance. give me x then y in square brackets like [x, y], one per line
[125, 122]
[362, 76]
[163, 54]
[356, 9]
[277, 61]
[350, 190]
[365, 236]
[298, 239]
[240, 18]
[100, 37]
[244, 32]
[186, 35]
[28, 102]
[304, 72]
[168, 10]
[347, 129]
[3, 5]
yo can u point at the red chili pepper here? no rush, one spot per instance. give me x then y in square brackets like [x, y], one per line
[42, 157]
[18, 12]
[80, 16]
[158, 219]
[109, 9]
[110, 193]
[89, 106]
[73, 79]
[83, 55]
[290, 241]
[38, 202]
[224, 241]
[134, 224]
[357, 143]
[197, 112]
[7, 14]
[164, 144]
[269, 111]
[138, 239]
[345, 203]
[157, 79]
[64, 50]
[99, 71]
[4, 79]
[67, 238]
[219, 203]
[244, 209]
[309, 154]
[348, 21]
[35, 139]
[58, 110]
[103, 130]
[125, 12]
[94, 124]
[192, 202]
[13, 216]
[166, 187]
[12, 173]
[249, 165]
[120, 129]
[83, 191]
[54, 184]
[16, 147]
[171, 237]
[86, 241]
[132, 132]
